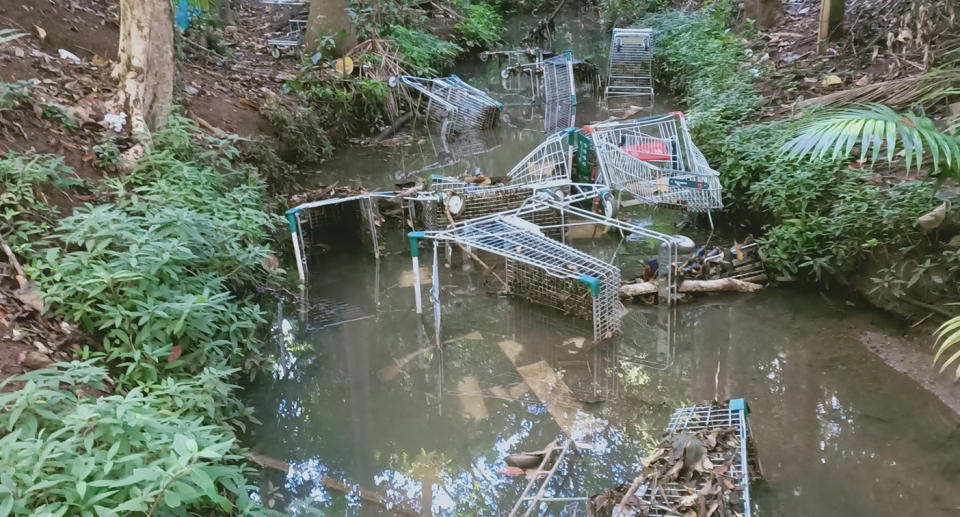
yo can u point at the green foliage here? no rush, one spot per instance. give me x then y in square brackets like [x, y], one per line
[480, 27]
[157, 451]
[873, 127]
[25, 214]
[107, 153]
[422, 53]
[155, 274]
[947, 337]
[12, 93]
[620, 13]
[703, 63]
[60, 114]
[343, 106]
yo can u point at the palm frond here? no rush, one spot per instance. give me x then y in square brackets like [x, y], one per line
[947, 336]
[875, 128]
[9, 35]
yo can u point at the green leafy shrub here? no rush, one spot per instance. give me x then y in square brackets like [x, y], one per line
[157, 451]
[348, 106]
[422, 53]
[11, 94]
[480, 27]
[25, 214]
[61, 115]
[157, 274]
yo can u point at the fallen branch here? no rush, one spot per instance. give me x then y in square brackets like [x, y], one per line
[12, 259]
[393, 128]
[693, 286]
[335, 484]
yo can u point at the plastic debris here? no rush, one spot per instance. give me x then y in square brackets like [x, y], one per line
[66, 54]
[115, 121]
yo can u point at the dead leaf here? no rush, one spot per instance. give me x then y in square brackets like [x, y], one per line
[40, 32]
[100, 61]
[30, 298]
[174, 354]
[87, 157]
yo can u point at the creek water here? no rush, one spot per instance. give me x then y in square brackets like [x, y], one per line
[362, 393]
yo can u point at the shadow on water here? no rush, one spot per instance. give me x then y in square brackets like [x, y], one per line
[363, 395]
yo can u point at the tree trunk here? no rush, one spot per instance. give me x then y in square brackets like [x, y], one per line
[765, 12]
[831, 20]
[145, 66]
[329, 18]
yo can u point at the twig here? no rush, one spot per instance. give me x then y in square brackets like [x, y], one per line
[21, 274]
[927, 306]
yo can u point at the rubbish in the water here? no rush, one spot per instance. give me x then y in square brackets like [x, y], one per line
[655, 161]
[535, 494]
[546, 167]
[525, 460]
[629, 68]
[453, 104]
[704, 466]
[511, 471]
[560, 94]
[547, 271]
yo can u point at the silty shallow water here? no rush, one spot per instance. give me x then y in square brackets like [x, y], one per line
[376, 404]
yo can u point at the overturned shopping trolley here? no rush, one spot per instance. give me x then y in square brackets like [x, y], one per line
[629, 68]
[546, 271]
[560, 95]
[291, 40]
[726, 423]
[654, 160]
[547, 166]
[452, 104]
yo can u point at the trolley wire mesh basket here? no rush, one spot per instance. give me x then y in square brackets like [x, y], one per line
[629, 68]
[560, 96]
[744, 467]
[654, 160]
[453, 104]
[547, 166]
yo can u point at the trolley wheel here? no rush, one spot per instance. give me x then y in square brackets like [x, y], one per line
[484, 56]
[505, 117]
[392, 81]
[454, 204]
[610, 205]
[275, 52]
[505, 73]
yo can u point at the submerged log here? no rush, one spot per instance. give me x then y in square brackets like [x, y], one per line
[693, 286]
[393, 128]
[338, 485]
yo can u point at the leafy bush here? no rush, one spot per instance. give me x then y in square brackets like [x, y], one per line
[480, 26]
[422, 53]
[162, 450]
[26, 214]
[156, 273]
[12, 93]
[700, 60]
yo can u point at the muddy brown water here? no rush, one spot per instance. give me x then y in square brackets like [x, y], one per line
[362, 394]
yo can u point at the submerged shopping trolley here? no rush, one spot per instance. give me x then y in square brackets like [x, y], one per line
[546, 271]
[546, 167]
[731, 416]
[560, 95]
[654, 160]
[629, 68]
[291, 40]
[452, 104]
